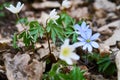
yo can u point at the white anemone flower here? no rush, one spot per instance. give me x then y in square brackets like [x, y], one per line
[53, 16]
[16, 9]
[66, 4]
[67, 52]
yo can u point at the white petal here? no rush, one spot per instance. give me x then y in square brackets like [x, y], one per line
[83, 25]
[76, 27]
[69, 61]
[61, 57]
[11, 8]
[21, 7]
[66, 42]
[66, 4]
[94, 44]
[87, 27]
[77, 44]
[85, 46]
[74, 56]
[95, 36]
[83, 35]
[52, 13]
[81, 39]
[88, 33]
[18, 5]
[89, 48]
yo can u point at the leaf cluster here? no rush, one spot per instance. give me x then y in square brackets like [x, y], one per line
[56, 73]
[63, 29]
[29, 36]
[105, 64]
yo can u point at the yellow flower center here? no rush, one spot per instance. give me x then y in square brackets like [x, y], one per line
[66, 51]
[88, 40]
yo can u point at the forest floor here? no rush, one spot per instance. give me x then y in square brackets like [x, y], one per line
[103, 16]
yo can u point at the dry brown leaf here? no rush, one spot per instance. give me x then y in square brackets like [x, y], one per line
[117, 61]
[17, 68]
[113, 24]
[46, 4]
[83, 13]
[105, 5]
[115, 37]
[43, 18]
[104, 49]
[5, 40]
[35, 70]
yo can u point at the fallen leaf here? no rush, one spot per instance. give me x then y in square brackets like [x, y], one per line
[117, 61]
[105, 5]
[115, 37]
[5, 40]
[115, 24]
[17, 68]
[83, 13]
[43, 18]
[46, 4]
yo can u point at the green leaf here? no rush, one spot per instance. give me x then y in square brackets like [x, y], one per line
[15, 41]
[36, 28]
[53, 35]
[23, 21]
[21, 35]
[77, 74]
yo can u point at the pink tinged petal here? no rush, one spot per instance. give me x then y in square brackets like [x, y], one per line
[94, 44]
[74, 56]
[69, 61]
[95, 36]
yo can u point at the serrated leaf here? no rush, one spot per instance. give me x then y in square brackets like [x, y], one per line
[23, 21]
[21, 35]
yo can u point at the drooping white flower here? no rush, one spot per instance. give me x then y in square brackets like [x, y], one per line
[87, 40]
[53, 16]
[67, 52]
[16, 9]
[66, 4]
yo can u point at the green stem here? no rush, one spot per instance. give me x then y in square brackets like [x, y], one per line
[47, 35]
[23, 26]
[20, 22]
